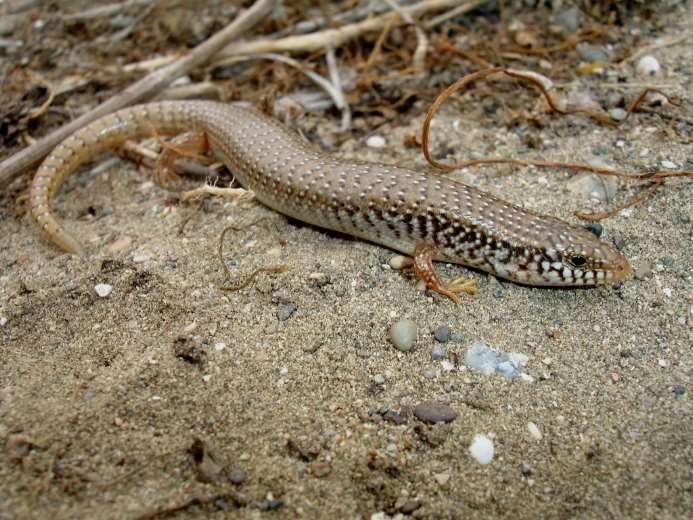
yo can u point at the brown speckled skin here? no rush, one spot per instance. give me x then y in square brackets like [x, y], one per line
[396, 207]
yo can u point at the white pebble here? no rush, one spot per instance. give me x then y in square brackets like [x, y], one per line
[403, 335]
[3, 321]
[618, 114]
[647, 66]
[206, 378]
[140, 258]
[283, 371]
[668, 164]
[103, 289]
[398, 262]
[534, 431]
[663, 363]
[668, 292]
[375, 141]
[481, 449]
[447, 365]
[219, 346]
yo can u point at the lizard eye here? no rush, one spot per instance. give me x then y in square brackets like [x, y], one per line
[577, 261]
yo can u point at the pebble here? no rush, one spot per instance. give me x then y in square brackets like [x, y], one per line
[668, 164]
[647, 66]
[442, 478]
[376, 141]
[668, 292]
[103, 289]
[140, 258]
[679, 390]
[237, 476]
[596, 229]
[398, 262]
[285, 311]
[3, 321]
[434, 412]
[379, 379]
[526, 469]
[591, 53]
[534, 431]
[429, 373]
[442, 333]
[403, 335]
[618, 114]
[219, 346]
[437, 353]
[408, 507]
[481, 449]
[119, 244]
[320, 469]
[487, 360]
[589, 185]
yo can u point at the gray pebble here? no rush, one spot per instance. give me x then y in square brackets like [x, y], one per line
[403, 335]
[434, 412]
[429, 373]
[618, 114]
[442, 333]
[285, 311]
[437, 353]
[591, 53]
[679, 390]
[526, 469]
[588, 185]
[409, 507]
[379, 379]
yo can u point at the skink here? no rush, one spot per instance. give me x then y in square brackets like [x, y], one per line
[428, 217]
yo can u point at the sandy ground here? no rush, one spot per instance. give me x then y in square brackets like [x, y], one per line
[170, 389]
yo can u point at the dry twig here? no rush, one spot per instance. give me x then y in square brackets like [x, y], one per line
[649, 177]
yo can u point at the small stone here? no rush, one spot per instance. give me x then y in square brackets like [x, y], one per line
[237, 476]
[320, 469]
[642, 271]
[376, 141]
[667, 261]
[442, 333]
[103, 289]
[647, 66]
[534, 431]
[668, 292]
[403, 335]
[591, 53]
[481, 449]
[379, 379]
[429, 373]
[3, 321]
[434, 412]
[285, 311]
[679, 390]
[663, 363]
[618, 114]
[526, 469]
[437, 353]
[409, 507]
[442, 478]
[399, 262]
[140, 258]
[119, 244]
[668, 164]
[219, 346]
[588, 185]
